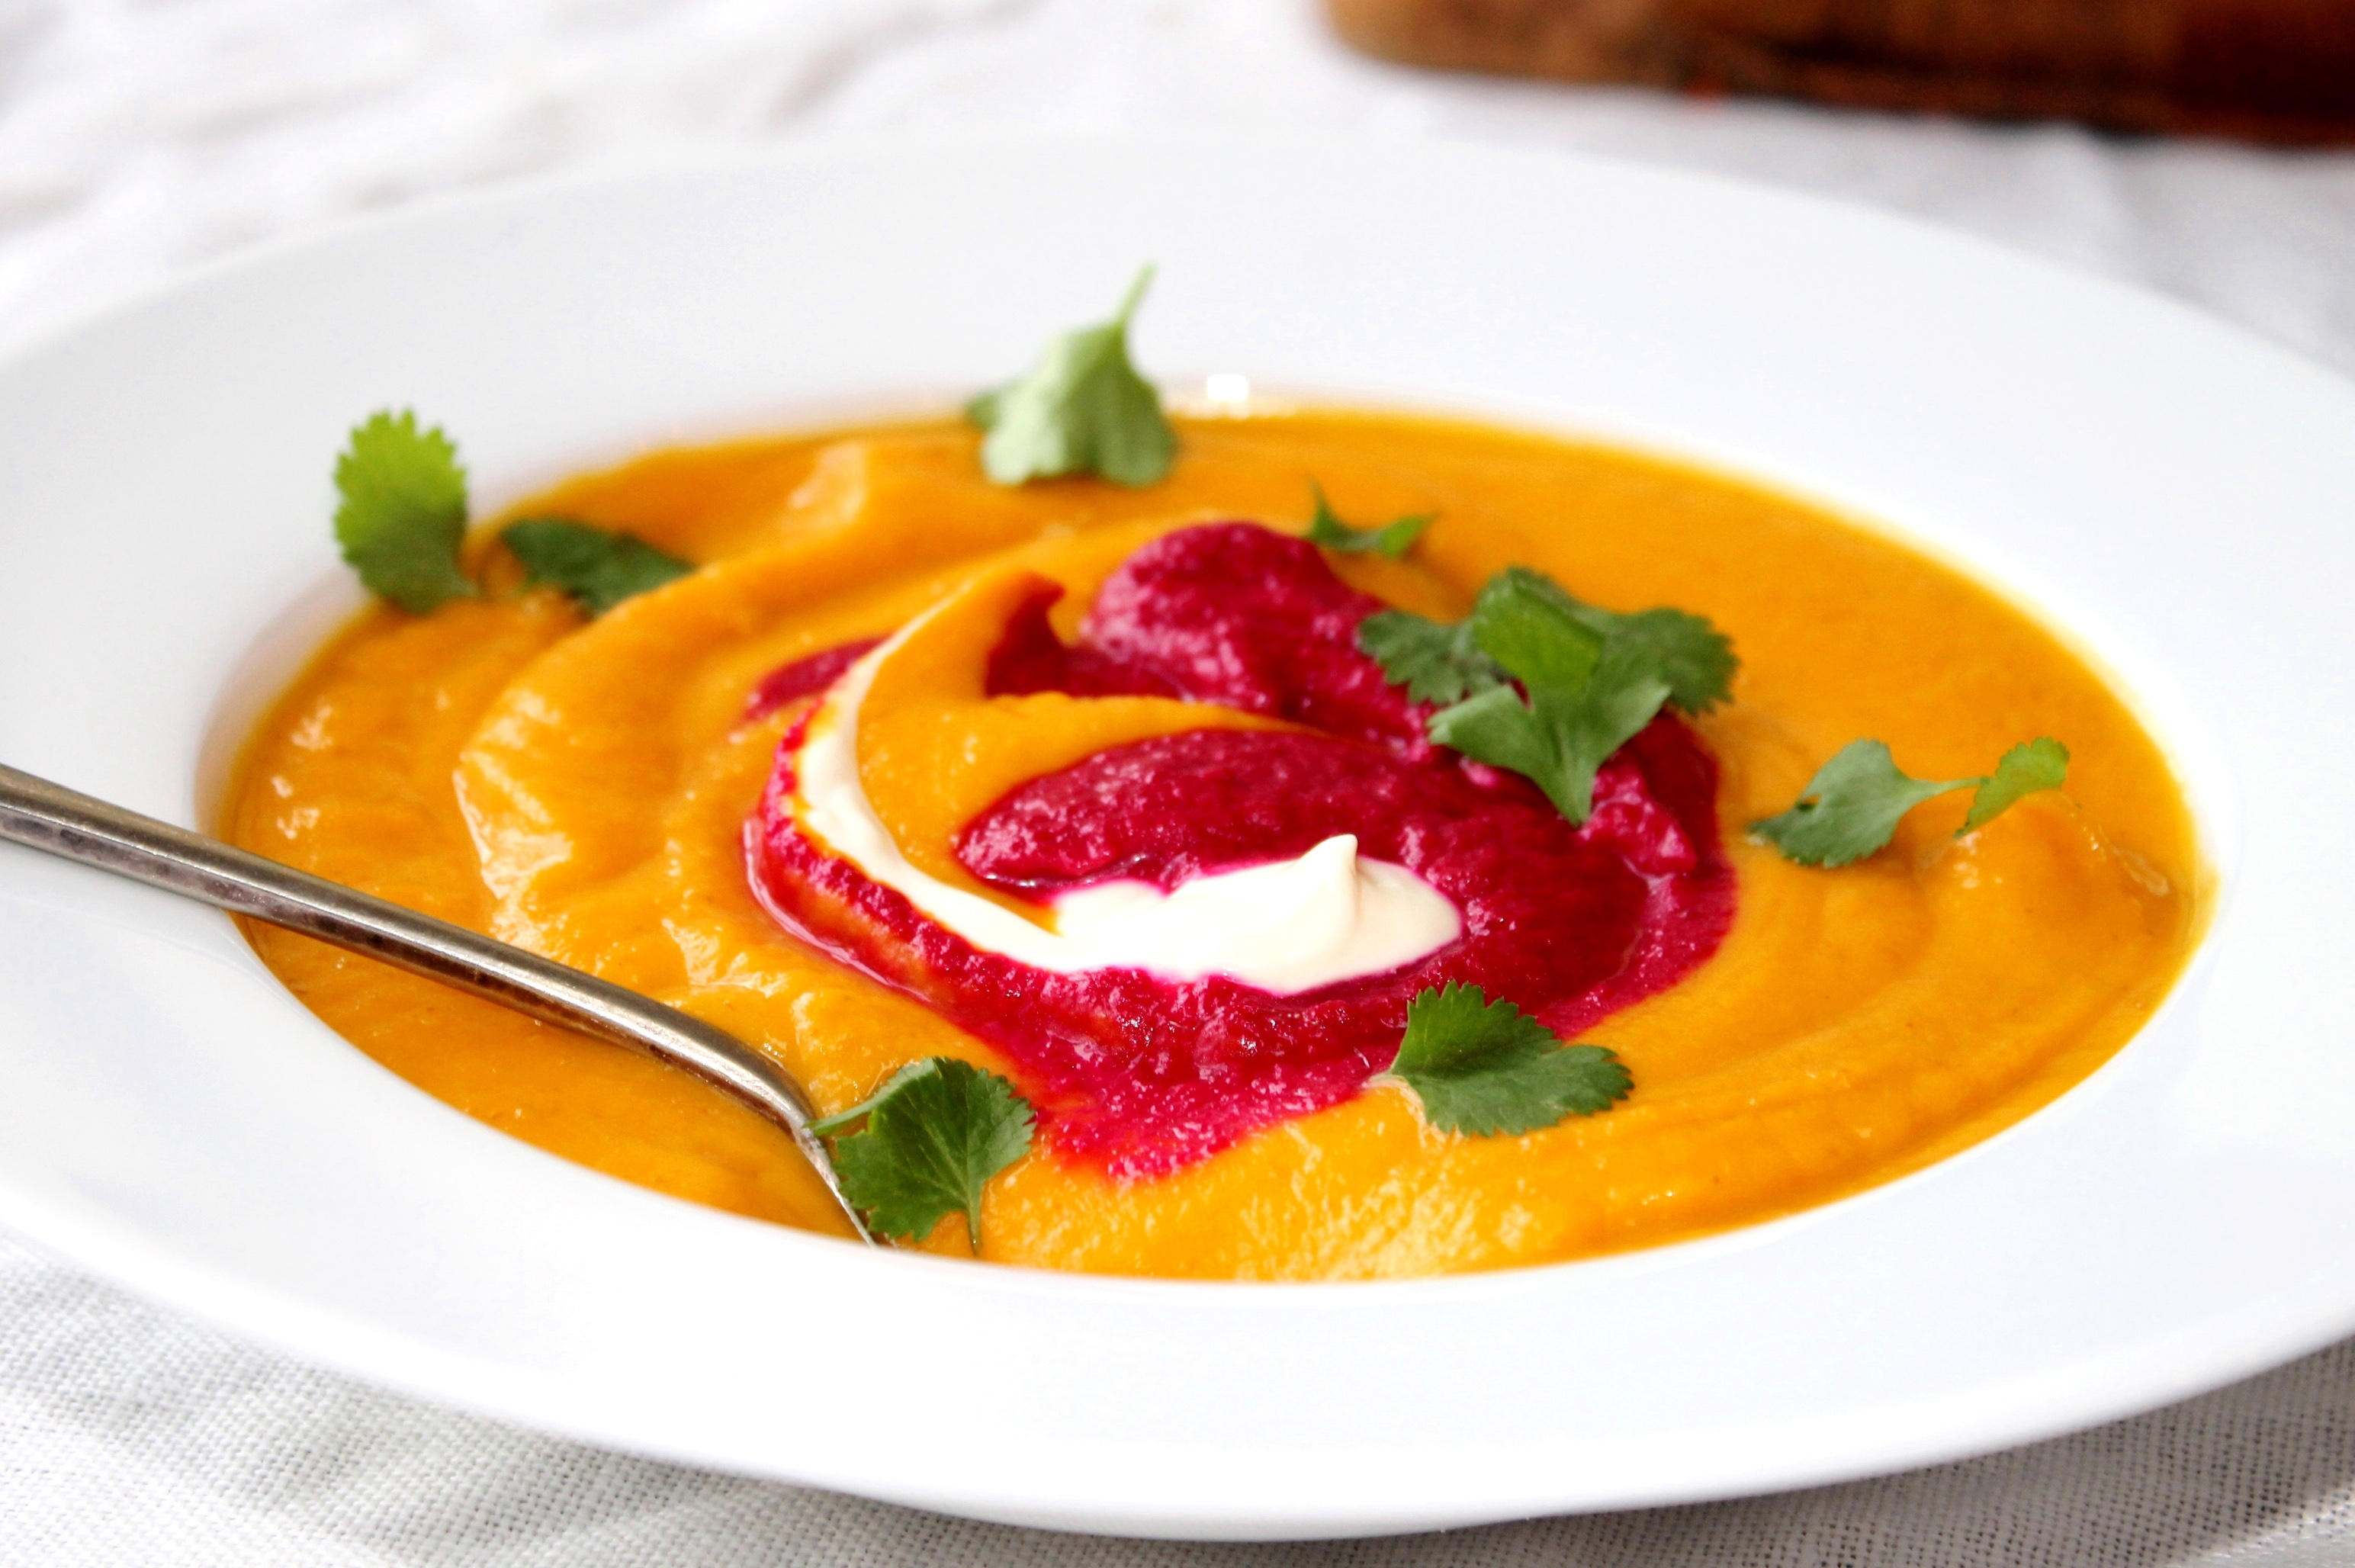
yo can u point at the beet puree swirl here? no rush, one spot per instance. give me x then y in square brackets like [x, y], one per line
[1141, 1075]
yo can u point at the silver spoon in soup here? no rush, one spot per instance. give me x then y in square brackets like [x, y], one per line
[75, 826]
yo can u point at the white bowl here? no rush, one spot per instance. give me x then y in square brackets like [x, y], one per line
[2176, 493]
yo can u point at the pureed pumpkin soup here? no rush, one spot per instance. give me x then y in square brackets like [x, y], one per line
[1155, 874]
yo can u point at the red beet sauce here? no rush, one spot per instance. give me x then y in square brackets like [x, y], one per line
[804, 678]
[1142, 1075]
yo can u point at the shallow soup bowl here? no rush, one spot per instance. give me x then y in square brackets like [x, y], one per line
[2175, 496]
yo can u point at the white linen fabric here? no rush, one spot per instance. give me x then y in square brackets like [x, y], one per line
[132, 1437]
[138, 138]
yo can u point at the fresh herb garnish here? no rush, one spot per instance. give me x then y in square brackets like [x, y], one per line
[1082, 409]
[1694, 658]
[597, 568]
[403, 511]
[1392, 539]
[1561, 735]
[1851, 807]
[1482, 1067]
[1593, 678]
[2030, 766]
[1434, 661]
[936, 1132]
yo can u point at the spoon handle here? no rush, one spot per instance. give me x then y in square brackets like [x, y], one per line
[75, 826]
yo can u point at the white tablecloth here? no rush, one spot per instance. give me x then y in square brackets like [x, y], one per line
[138, 138]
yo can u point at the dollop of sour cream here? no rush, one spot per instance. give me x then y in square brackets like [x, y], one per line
[1283, 927]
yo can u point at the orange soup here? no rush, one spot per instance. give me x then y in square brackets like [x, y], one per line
[590, 788]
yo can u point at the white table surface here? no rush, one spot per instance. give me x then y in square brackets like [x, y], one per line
[137, 139]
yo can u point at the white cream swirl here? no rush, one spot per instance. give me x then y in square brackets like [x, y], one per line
[1284, 927]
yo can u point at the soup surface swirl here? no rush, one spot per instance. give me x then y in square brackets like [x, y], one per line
[1794, 1035]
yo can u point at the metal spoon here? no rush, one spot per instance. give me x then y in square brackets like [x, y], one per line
[75, 826]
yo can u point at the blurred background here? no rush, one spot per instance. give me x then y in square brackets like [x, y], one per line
[2278, 70]
[2205, 148]
[138, 136]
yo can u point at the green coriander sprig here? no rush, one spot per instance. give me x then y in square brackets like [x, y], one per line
[1584, 680]
[1851, 807]
[936, 1132]
[597, 568]
[1436, 661]
[1392, 539]
[1483, 1067]
[401, 518]
[1081, 408]
[401, 511]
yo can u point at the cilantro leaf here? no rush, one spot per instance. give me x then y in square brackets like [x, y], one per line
[402, 511]
[597, 568]
[1532, 628]
[1589, 691]
[1593, 677]
[1694, 656]
[1559, 739]
[1392, 539]
[935, 1134]
[1435, 663]
[1081, 408]
[1851, 807]
[1482, 1067]
[2033, 765]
